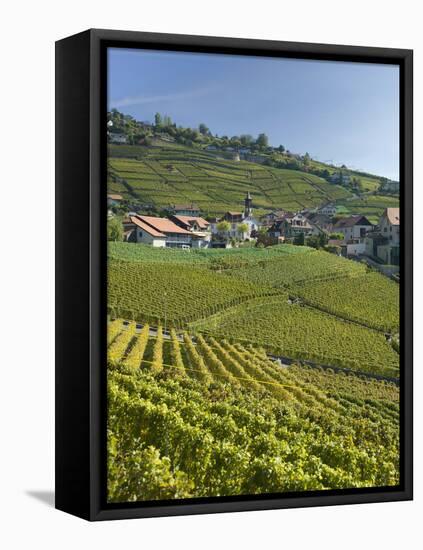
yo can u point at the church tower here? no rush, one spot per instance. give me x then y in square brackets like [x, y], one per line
[248, 209]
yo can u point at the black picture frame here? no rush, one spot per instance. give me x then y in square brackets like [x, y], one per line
[81, 260]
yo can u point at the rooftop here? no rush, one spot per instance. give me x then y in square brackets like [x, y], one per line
[393, 215]
[351, 221]
[188, 220]
[163, 225]
[150, 230]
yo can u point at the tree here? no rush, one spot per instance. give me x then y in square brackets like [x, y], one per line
[306, 159]
[281, 148]
[246, 139]
[357, 184]
[203, 129]
[167, 121]
[242, 228]
[158, 119]
[382, 182]
[223, 226]
[299, 239]
[336, 236]
[313, 241]
[323, 240]
[262, 140]
[114, 229]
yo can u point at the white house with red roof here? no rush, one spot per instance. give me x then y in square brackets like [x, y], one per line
[198, 226]
[163, 232]
[147, 234]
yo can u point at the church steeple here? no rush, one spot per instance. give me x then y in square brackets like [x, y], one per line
[248, 208]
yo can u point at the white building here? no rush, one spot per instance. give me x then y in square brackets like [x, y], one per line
[235, 219]
[384, 242]
[389, 225]
[328, 209]
[114, 199]
[185, 210]
[162, 232]
[353, 227]
[117, 138]
[146, 234]
[198, 226]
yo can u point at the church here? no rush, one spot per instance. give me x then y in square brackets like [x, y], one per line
[235, 219]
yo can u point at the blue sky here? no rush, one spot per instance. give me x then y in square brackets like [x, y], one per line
[340, 112]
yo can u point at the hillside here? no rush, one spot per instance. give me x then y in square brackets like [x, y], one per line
[293, 301]
[155, 176]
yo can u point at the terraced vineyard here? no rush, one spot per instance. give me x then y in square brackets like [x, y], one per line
[370, 299]
[165, 175]
[280, 273]
[371, 206]
[178, 293]
[292, 300]
[203, 417]
[301, 332]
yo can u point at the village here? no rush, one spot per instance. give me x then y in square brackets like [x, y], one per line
[352, 236]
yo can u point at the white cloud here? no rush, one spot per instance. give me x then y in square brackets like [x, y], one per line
[143, 99]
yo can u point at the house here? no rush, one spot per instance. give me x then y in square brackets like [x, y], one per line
[272, 217]
[162, 232]
[321, 220]
[300, 224]
[129, 228]
[384, 242]
[389, 225]
[114, 200]
[292, 225]
[328, 209]
[199, 227]
[280, 227]
[185, 210]
[353, 227]
[237, 218]
[117, 138]
[147, 234]
[191, 223]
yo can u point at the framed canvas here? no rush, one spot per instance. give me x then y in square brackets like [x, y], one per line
[234, 274]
